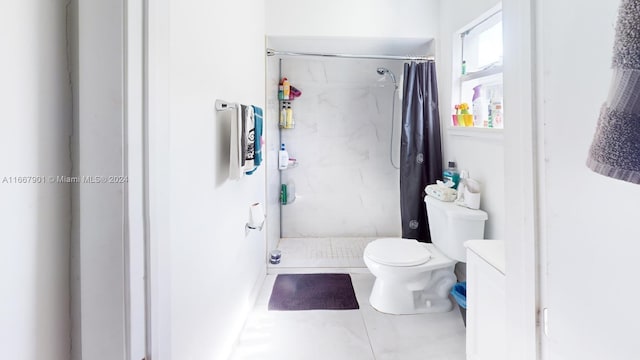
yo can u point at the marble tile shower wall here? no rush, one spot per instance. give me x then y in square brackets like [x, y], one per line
[345, 184]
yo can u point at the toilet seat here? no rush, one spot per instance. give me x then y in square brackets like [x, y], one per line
[398, 252]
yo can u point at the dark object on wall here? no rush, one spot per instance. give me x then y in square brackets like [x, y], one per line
[421, 147]
[615, 151]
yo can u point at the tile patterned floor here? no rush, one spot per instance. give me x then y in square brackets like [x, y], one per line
[321, 253]
[349, 334]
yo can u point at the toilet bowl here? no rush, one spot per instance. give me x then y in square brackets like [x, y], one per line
[414, 277]
[411, 277]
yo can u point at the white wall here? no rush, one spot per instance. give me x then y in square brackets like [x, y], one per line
[359, 18]
[36, 218]
[589, 222]
[345, 184]
[216, 51]
[482, 156]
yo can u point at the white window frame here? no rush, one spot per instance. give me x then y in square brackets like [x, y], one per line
[458, 78]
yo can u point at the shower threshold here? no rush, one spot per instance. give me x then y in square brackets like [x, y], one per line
[321, 255]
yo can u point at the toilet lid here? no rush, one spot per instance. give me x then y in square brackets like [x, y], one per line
[397, 252]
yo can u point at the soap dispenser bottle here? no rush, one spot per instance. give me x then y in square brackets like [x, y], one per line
[479, 107]
[451, 174]
[283, 158]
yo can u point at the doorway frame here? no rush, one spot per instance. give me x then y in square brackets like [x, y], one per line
[522, 146]
[157, 167]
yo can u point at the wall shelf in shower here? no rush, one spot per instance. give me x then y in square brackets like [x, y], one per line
[286, 111]
[287, 193]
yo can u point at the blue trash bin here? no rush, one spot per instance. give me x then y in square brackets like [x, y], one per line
[459, 293]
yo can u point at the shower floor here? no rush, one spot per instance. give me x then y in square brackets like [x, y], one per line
[321, 255]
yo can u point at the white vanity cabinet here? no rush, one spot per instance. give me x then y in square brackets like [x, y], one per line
[486, 300]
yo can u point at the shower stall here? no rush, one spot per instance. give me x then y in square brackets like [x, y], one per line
[343, 178]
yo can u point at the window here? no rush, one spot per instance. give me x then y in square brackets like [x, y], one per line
[482, 44]
[479, 80]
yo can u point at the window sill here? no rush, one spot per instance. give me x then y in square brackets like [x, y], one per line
[493, 70]
[476, 132]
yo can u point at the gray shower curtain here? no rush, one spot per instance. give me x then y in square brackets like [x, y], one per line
[421, 147]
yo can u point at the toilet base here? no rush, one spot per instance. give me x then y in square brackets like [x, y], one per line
[396, 297]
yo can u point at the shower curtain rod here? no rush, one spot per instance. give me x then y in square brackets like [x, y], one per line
[271, 52]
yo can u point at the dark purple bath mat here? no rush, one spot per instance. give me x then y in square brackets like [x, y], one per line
[313, 292]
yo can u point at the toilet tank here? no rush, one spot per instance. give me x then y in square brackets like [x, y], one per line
[451, 225]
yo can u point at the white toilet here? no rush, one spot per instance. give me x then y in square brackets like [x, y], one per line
[414, 277]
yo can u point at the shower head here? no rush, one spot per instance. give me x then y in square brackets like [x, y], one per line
[383, 71]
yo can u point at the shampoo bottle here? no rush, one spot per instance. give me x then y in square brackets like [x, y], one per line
[451, 174]
[283, 158]
[286, 89]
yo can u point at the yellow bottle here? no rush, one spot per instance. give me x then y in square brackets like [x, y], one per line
[289, 123]
[283, 117]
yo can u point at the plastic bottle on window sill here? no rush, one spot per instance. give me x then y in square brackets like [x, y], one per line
[495, 113]
[479, 107]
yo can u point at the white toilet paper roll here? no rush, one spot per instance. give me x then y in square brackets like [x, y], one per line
[256, 215]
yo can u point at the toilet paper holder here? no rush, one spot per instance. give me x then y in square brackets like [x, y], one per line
[248, 227]
[256, 218]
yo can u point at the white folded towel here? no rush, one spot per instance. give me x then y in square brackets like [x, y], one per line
[441, 192]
